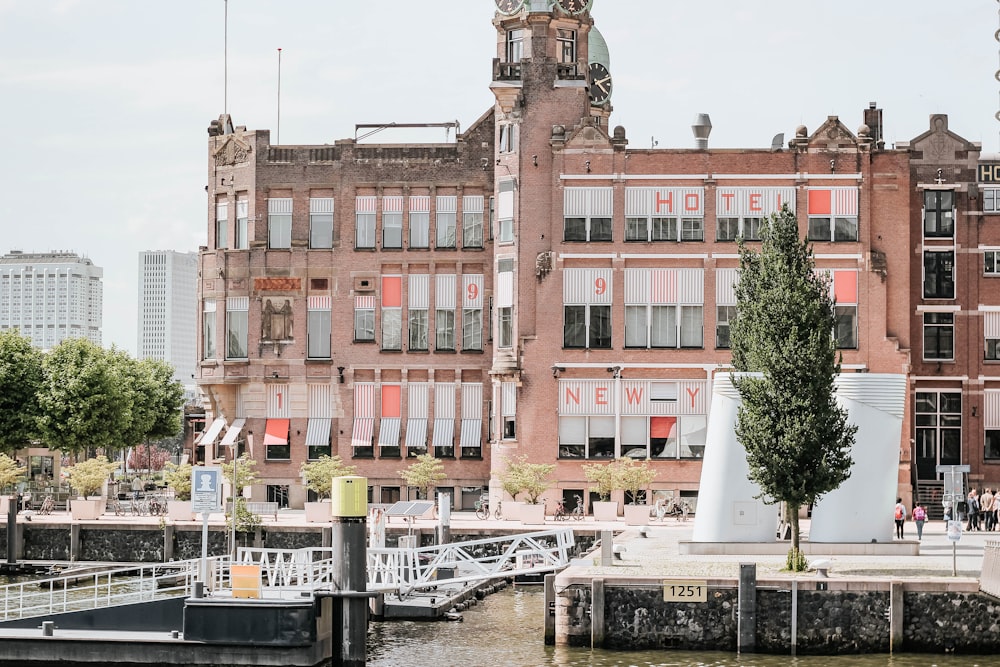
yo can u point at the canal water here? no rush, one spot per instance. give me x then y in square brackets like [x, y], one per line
[506, 630]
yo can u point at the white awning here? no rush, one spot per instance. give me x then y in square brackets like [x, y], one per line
[233, 434]
[388, 432]
[361, 436]
[444, 433]
[472, 433]
[209, 436]
[318, 432]
[416, 433]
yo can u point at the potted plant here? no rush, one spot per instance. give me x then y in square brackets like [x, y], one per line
[178, 478]
[531, 479]
[88, 478]
[424, 473]
[318, 477]
[636, 476]
[11, 474]
[605, 479]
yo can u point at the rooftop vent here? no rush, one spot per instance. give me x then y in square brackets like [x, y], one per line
[702, 128]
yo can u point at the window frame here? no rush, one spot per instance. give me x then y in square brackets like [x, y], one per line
[364, 230]
[319, 344]
[940, 327]
[237, 331]
[939, 221]
[417, 329]
[939, 280]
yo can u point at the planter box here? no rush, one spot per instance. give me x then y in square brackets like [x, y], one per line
[532, 514]
[605, 510]
[511, 510]
[86, 509]
[180, 510]
[319, 512]
[637, 515]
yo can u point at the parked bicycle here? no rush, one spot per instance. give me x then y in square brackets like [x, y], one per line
[483, 509]
[576, 513]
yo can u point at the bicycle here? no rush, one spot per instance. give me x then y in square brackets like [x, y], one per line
[577, 512]
[483, 509]
[157, 506]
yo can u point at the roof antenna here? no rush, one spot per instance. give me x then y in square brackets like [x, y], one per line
[225, 59]
[277, 138]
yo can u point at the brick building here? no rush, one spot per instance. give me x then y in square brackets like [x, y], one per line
[538, 288]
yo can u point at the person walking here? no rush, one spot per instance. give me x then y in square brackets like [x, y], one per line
[136, 487]
[987, 505]
[899, 514]
[919, 516]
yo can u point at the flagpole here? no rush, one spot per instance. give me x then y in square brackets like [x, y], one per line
[277, 138]
[225, 60]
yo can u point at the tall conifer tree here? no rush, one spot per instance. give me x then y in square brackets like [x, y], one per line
[796, 437]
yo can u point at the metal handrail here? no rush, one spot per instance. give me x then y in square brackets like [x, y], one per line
[107, 588]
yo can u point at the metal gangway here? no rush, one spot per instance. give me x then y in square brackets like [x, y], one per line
[109, 586]
[400, 571]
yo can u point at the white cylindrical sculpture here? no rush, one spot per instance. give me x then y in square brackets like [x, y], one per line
[727, 508]
[860, 510]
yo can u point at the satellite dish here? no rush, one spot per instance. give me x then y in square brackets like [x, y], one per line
[778, 142]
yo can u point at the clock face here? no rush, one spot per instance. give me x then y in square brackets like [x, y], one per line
[509, 6]
[574, 6]
[600, 83]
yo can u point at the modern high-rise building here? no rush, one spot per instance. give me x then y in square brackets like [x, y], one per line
[51, 296]
[168, 310]
[540, 289]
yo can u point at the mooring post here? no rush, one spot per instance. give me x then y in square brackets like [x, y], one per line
[12, 529]
[444, 518]
[746, 641]
[597, 614]
[795, 615]
[349, 507]
[550, 609]
[895, 616]
[607, 548]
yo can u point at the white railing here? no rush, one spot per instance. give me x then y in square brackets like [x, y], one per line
[290, 570]
[107, 588]
[406, 570]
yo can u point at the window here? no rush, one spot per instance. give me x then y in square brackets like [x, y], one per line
[587, 327]
[318, 324]
[664, 214]
[364, 234]
[278, 493]
[388, 436]
[321, 222]
[420, 222]
[515, 45]
[208, 329]
[586, 437]
[392, 313]
[505, 302]
[566, 45]
[938, 431]
[318, 428]
[992, 443]
[939, 213]
[505, 216]
[445, 223]
[991, 265]
[833, 214]
[279, 223]
[587, 214]
[939, 274]
[444, 330]
[723, 316]
[364, 319]
[418, 330]
[472, 312]
[472, 221]
[939, 336]
[844, 292]
[507, 141]
[392, 222]
[417, 311]
[653, 316]
[471, 434]
[846, 328]
[242, 224]
[221, 224]
[276, 444]
[991, 331]
[729, 229]
[237, 327]
[991, 200]
[505, 324]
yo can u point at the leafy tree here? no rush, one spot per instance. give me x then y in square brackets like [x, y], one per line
[604, 478]
[178, 478]
[246, 472]
[319, 474]
[11, 472]
[87, 477]
[148, 457]
[424, 473]
[531, 479]
[796, 437]
[20, 383]
[636, 476]
[82, 403]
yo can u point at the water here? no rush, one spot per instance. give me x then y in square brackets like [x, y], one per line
[506, 631]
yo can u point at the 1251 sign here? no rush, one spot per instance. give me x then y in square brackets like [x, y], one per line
[685, 591]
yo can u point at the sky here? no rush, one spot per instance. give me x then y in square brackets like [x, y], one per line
[105, 104]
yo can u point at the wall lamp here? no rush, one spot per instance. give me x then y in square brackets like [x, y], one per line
[274, 374]
[616, 371]
[556, 370]
[587, 165]
[975, 411]
[833, 166]
[340, 374]
[534, 160]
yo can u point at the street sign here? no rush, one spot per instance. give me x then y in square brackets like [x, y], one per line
[206, 487]
[954, 531]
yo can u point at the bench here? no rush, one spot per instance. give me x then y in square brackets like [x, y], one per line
[259, 508]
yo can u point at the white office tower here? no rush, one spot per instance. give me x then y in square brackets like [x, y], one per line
[51, 296]
[168, 310]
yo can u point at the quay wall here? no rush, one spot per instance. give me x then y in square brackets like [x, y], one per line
[833, 616]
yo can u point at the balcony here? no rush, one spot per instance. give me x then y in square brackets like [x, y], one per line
[506, 71]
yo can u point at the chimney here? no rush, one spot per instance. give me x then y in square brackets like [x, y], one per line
[873, 119]
[702, 128]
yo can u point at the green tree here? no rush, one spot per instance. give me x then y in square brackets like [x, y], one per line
[20, 384]
[87, 477]
[178, 478]
[636, 476]
[82, 403]
[424, 473]
[796, 437]
[319, 474]
[531, 479]
[11, 472]
[603, 477]
[152, 399]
